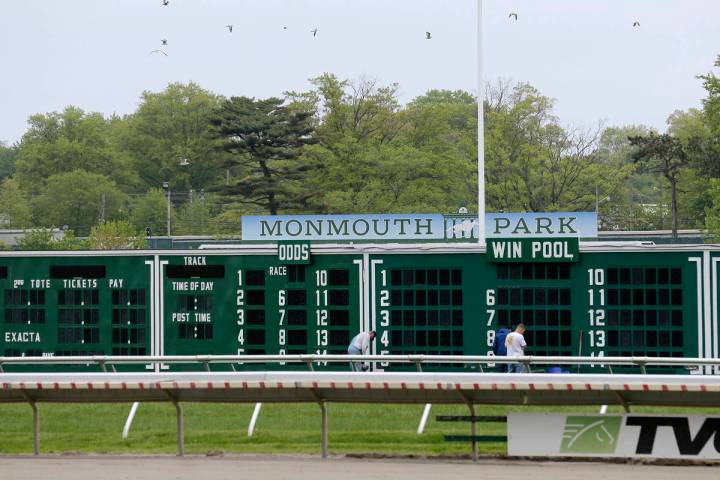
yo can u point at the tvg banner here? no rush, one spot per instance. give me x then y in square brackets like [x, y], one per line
[642, 436]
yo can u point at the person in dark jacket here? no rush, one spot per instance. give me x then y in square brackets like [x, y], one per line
[499, 349]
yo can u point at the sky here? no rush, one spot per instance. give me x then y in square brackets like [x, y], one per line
[586, 54]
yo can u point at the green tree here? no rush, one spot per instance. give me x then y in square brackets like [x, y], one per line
[196, 216]
[47, 239]
[705, 151]
[378, 156]
[266, 139]
[168, 138]
[711, 104]
[352, 120]
[664, 154]
[38, 239]
[442, 124]
[691, 129]
[712, 212]
[78, 199]
[533, 163]
[627, 206]
[150, 210]
[62, 142]
[115, 235]
[8, 157]
[14, 205]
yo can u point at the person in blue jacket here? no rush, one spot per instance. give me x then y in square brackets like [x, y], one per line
[499, 349]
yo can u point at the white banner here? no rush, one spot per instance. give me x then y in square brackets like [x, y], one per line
[419, 227]
[647, 436]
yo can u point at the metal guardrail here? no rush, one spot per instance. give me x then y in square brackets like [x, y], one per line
[710, 365]
[418, 360]
[469, 388]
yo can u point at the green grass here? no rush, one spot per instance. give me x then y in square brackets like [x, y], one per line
[281, 428]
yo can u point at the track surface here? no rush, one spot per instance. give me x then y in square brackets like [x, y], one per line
[266, 467]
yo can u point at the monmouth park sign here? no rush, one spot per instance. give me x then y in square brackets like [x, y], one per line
[386, 227]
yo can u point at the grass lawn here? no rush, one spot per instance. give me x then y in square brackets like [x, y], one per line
[281, 428]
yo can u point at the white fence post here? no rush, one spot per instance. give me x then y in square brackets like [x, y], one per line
[253, 419]
[128, 422]
[424, 418]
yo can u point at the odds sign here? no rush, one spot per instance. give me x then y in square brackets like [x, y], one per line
[533, 250]
[294, 252]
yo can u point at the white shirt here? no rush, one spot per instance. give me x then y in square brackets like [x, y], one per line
[361, 341]
[515, 344]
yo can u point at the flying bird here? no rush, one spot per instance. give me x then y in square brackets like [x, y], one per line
[636, 24]
[513, 15]
[314, 31]
[158, 51]
[166, 3]
[428, 35]
[164, 41]
[229, 27]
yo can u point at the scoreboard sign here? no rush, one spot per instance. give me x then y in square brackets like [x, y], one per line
[447, 299]
[294, 253]
[533, 250]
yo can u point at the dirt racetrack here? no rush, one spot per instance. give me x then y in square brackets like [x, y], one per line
[276, 467]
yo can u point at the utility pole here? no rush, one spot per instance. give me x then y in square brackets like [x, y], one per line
[102, 208]
[166, 186]
[481, 127]
[168, 214]
[597, 200]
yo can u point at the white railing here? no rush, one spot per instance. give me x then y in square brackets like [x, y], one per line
[480, 361]
[45, 387]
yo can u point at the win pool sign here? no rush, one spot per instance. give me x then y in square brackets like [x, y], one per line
[533, 250]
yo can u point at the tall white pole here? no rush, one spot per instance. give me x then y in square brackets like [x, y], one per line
[481, 126]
